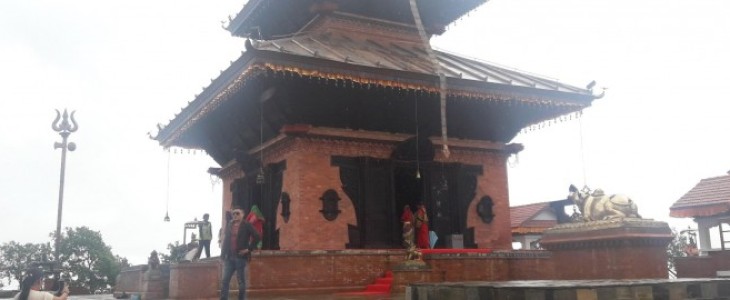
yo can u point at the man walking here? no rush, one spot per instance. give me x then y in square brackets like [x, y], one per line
[239, 239]
[205, 231]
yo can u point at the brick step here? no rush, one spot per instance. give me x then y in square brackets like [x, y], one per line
[359, 295]
[383, 280]
[383, 288]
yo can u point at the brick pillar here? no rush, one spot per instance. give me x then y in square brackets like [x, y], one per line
[620, 249]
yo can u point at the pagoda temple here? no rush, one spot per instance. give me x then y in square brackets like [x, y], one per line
[332, 120]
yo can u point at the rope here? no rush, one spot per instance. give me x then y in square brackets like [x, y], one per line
[437, 68]
[582, 149]
[418, 155]
[167, 196]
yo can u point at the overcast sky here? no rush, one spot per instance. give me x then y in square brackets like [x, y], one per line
[125, 66]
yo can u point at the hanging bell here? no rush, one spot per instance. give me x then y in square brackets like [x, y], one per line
[167, 217]
[418, 174]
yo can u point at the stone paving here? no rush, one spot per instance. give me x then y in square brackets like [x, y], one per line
[303, 297]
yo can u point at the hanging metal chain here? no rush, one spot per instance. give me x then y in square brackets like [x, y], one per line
[437, 69]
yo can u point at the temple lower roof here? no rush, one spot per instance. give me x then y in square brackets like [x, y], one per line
[360, 53]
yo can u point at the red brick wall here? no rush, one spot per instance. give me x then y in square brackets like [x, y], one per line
[129, 280]
[611, 263]
[197, 280]
[492, 183]
[272, 272]
[531, 265]
[309, 173]
[703, 266]
[319, 269]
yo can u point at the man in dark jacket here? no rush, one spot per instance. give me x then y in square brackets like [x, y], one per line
[239, 239]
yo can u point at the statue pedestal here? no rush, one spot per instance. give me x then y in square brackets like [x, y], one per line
[617, 249]
[153, 285]
[411, 265]
[411, 271]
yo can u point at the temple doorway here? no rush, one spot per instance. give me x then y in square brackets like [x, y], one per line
[408, 188]
[380, 188]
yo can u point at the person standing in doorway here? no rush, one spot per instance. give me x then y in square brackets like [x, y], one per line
[205, 231]
[422, 238]
[406, 219]
[239, 239]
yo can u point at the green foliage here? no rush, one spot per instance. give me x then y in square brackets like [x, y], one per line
[679, 247]
[176, 252]
[16, 258]
[87, 260]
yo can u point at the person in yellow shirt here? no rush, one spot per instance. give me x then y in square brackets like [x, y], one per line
[205, 231]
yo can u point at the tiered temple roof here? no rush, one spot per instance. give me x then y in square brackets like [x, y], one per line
[364, 47]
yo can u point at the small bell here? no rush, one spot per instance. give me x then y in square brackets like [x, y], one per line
[167, 217]
[418, 174]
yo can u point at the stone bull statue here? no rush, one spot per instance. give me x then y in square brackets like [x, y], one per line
[596, 206]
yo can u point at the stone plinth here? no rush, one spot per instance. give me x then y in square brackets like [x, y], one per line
[679, 289]
[618, 249]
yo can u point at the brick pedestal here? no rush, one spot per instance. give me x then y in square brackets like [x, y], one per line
[195, 280]
[619, 249]
[154, 285]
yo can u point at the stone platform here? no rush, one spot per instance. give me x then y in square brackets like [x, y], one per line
[655, 289]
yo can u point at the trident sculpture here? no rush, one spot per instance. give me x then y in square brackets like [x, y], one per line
[64, 128]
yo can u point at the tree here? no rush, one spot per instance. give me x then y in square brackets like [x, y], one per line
[87, 260]
[15, 258]
[683, 244]
[176, 252]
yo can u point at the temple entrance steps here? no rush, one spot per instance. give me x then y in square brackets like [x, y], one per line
[381, 287]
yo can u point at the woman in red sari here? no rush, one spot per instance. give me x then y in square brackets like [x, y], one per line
[422, 238]
[407, 218]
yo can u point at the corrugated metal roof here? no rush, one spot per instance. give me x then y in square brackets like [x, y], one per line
[405, 56]
[709, 192]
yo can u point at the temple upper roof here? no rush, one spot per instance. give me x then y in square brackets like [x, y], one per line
[269, 19]
[397, 47]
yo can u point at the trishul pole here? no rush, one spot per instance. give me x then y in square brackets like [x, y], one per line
[64, 128]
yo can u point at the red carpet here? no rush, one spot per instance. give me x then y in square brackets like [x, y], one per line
[383, 284]
[379, 288]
